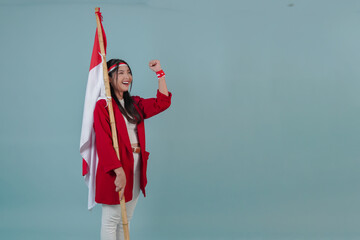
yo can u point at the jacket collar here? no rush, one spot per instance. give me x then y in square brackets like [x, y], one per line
[121, 126]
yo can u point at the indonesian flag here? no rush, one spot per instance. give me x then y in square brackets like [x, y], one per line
[95, 90]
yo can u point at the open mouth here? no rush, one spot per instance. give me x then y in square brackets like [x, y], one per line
[126, 83]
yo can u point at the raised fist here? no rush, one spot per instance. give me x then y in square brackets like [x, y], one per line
[155, 65]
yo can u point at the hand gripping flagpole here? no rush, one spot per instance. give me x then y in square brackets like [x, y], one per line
[112, 118]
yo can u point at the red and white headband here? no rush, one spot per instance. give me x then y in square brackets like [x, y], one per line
[115, 65]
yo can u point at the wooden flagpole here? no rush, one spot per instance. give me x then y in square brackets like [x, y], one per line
[112, 118]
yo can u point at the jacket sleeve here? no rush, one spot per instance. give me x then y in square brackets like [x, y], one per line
[151, 106]
[108, 159]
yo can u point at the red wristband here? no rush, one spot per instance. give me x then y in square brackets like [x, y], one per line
[160, 74]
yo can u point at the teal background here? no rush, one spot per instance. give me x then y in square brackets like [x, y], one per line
[261, 140]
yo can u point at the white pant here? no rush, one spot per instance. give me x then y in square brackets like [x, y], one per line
[111, 221]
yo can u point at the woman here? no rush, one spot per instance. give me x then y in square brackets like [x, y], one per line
[129, 174]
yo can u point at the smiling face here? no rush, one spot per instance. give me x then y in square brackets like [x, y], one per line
[121, 80]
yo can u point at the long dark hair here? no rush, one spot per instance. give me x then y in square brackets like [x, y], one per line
[130, 112]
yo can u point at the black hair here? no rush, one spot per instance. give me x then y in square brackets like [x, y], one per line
[130, 112]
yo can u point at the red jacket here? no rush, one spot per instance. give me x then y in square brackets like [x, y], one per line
[108, 161]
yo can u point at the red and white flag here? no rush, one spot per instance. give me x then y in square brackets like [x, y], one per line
[95, 90]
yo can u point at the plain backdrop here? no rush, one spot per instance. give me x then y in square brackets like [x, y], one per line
[261, 140]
